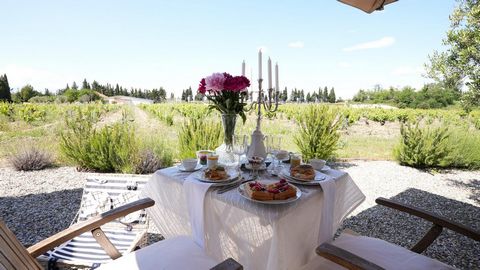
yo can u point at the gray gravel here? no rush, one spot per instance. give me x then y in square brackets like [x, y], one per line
[36, 205]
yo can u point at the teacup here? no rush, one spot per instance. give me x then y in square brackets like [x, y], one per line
[212, 161]
[189, 164]
[317, 164]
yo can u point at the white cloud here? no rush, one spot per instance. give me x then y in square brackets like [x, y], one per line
[375, 44]
[407, 71]
[296, 44]
[344, 64]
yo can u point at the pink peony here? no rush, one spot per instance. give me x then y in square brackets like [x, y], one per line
[202, 87]
[215, 82]
[236, 84]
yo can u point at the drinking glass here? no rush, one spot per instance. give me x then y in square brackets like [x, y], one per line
[273, 146]
[255, 164]
[239, 148]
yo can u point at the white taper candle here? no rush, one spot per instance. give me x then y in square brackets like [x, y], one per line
[260, 64]
[269, 73]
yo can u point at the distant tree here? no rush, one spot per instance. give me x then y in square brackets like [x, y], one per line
[27, 92]
[47, 92]
[309, 97]
[302, 96]
[325, 94]
[319, 95]
[331, 96]
[95, 86]
[285, 95]
[172, 96]
[5, 94]
[85, 84]
[74, 86]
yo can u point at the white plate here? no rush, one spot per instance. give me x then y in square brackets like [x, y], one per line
[221, 184]
[325, 168]
[182, 169]
[232, 175]
[318, 177]
[243, 193]
[248, 166]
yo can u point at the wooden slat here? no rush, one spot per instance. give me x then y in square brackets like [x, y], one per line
[345, 258]
[434, 218]
[428, 239]
[88, 225]
[105, 243]
[228, 264]
[14, 255]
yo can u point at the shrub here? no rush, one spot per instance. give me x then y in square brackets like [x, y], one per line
[31, 112]
[108, 149]
[158, 147]
[198, 133]
[318, 134]
[30, 160]
[148, 162]
[466, 148]
[423, 146]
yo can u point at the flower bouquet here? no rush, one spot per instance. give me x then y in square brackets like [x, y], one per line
[228, 95]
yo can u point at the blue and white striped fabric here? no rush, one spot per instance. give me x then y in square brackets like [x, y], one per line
[100, 194]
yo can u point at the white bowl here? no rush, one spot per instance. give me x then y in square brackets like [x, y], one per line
[189, 164]
[317, 164]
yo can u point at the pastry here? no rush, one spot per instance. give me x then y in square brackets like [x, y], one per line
[216, 174]
[277, 191]
[303, 172]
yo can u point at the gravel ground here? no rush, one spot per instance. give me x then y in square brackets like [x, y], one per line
[36, 205]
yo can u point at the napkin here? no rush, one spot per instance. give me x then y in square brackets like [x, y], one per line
[327, 217]
[195, 192]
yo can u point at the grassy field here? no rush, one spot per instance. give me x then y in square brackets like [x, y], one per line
[366, 133]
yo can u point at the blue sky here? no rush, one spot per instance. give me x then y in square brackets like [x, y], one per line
[175, 43]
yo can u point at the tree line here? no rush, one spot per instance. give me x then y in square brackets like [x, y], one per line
[296, 95]
[86, 93]
[430, 96]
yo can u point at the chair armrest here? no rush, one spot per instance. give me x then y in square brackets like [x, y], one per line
[87, 225]
[228, 264]
[345, 258]
[434, 218]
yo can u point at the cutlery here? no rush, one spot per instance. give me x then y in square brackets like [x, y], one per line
[232, 186]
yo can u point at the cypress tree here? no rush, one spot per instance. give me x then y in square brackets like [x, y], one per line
[331, 96]
[325, 94]
[5, 94]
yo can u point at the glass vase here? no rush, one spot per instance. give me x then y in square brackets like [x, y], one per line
[229, 121]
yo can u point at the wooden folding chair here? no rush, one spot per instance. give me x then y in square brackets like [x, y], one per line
[360, 252]
[180, 251]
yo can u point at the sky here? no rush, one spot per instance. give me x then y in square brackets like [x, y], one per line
[173, 44]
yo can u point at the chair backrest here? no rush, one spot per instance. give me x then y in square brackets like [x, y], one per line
[117, 189]
[13, 254]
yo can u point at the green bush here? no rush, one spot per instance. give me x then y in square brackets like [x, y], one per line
[423, 146]
[466, 148]
[154, 148]
[318, 135]
[198, 133]
[108, 149]
[31, 112]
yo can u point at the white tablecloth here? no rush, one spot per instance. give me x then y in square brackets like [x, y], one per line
[259, 236]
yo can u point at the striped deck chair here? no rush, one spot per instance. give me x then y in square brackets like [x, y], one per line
[100, 194]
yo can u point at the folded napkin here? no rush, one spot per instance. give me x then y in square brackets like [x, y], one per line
[327, 221]
[195, 192]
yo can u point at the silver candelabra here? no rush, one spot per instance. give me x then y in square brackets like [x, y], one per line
[269, 103]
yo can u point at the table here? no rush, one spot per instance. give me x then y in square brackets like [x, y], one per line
[258, 236]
